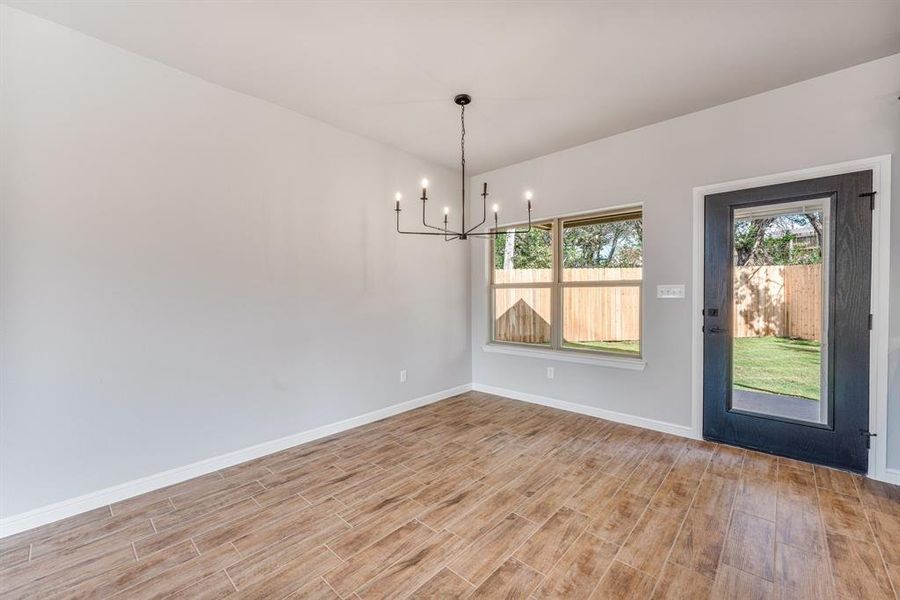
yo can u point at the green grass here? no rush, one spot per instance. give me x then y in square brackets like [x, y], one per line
[632, 347]
[778, 366]
[765, 364]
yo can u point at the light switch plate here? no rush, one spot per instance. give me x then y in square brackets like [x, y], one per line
[670, 291]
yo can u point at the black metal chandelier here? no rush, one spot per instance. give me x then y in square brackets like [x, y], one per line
[463, 233]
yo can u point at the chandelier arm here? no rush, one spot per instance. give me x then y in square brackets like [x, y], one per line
[447, 231]
[426, 224]
[484, 196]
[476, 226]
[427, 232]
[497, 232]
[443, 232]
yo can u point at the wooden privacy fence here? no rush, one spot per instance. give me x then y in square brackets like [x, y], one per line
[589, 313]
[783, 301]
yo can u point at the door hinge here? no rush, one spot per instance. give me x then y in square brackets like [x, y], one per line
[871, 196]
[870, 321]
[865, 433]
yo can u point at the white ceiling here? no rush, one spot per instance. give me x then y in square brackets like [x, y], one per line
[544, 75]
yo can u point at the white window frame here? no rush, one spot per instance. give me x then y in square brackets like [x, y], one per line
[555, 350]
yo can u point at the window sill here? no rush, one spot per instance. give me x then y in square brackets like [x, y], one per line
[584, 358]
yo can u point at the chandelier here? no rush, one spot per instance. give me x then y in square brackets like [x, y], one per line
[462, 233]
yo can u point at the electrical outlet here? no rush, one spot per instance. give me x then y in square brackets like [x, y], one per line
[403, 376]
[550, 373]
[670, 291]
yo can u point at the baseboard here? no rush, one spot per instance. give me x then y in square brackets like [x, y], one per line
[890, 476]
[73, 506]
[67, 508]
[583, 409]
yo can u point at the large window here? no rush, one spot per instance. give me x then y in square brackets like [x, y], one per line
[570, 284]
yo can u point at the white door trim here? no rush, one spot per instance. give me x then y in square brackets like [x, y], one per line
[878, 348]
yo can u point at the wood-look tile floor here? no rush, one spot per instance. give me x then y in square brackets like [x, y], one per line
[481, 497]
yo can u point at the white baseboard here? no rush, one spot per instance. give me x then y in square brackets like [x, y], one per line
[609, 415]
[73, 506]
[67, 508]
[890, 476]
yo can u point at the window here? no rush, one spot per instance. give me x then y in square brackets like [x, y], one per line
[523, 285]
[570, 284]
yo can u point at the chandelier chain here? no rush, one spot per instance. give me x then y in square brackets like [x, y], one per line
[462, 152]
[462, 139]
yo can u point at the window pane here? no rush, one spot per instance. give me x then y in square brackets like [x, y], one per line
[780, 294]
[603, 248]
[604, 318]
[522, 315]
[524, 257]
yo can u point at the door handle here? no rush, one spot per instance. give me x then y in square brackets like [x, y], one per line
[714, 330]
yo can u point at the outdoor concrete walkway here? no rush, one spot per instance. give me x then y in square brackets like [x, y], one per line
[790, 407]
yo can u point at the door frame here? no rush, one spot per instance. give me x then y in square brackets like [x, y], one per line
[880, 294]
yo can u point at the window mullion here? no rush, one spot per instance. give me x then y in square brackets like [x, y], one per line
[539, 284]
[556, 302]
[603, 283]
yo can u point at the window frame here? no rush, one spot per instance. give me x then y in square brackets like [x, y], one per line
[557, 287]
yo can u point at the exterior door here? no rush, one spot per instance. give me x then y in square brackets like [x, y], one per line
[786, 319]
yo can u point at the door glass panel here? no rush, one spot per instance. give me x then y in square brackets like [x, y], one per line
[780, 326]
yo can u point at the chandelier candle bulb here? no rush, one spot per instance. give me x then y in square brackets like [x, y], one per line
[496, 208]
[446, 210]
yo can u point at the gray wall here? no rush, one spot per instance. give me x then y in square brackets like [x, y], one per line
[843, 116]
[188, 271]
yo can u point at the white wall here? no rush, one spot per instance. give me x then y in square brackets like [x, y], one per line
[187, 271]
[843, 116]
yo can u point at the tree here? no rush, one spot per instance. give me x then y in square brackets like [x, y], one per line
[780, 240]
[509, 249]
[603, 245]
[598, 245]
[532, 250]
[815, 221]
[749, 236]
